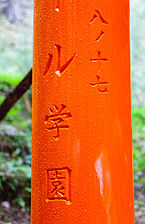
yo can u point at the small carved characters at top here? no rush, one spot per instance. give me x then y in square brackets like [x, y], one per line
[98, 15]
[99, 85]
[99, 59]
[95, 16]
[100, 36]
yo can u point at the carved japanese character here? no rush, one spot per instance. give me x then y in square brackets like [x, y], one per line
[59, 184]
[100, 36]
[99, 59]
[101, 86]
[96, 15]
[60, 69]
[56, 119]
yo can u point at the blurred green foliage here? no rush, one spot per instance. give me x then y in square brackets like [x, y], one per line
[15, 148]
[139, 148]
[15, 159]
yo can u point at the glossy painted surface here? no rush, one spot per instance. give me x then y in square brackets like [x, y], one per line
[81, 136]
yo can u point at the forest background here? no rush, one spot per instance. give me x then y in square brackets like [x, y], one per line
[16, 34]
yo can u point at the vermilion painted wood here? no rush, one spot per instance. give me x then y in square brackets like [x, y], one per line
[81, 137]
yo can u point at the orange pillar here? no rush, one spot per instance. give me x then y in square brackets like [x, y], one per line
[81, 135]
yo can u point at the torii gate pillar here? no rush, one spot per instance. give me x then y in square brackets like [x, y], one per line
[81, 136]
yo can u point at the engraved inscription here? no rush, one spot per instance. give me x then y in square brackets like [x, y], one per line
[59, 184]
[101, 86]
[98, 14]
[60, 69]
[100, 36]
[93, 19]
[95, 16]
[55, 120]
[99, 59]
[101, 17]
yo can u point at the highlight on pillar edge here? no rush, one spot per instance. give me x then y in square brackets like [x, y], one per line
[72, 112]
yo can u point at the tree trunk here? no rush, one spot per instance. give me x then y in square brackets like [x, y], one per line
[14, 95]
